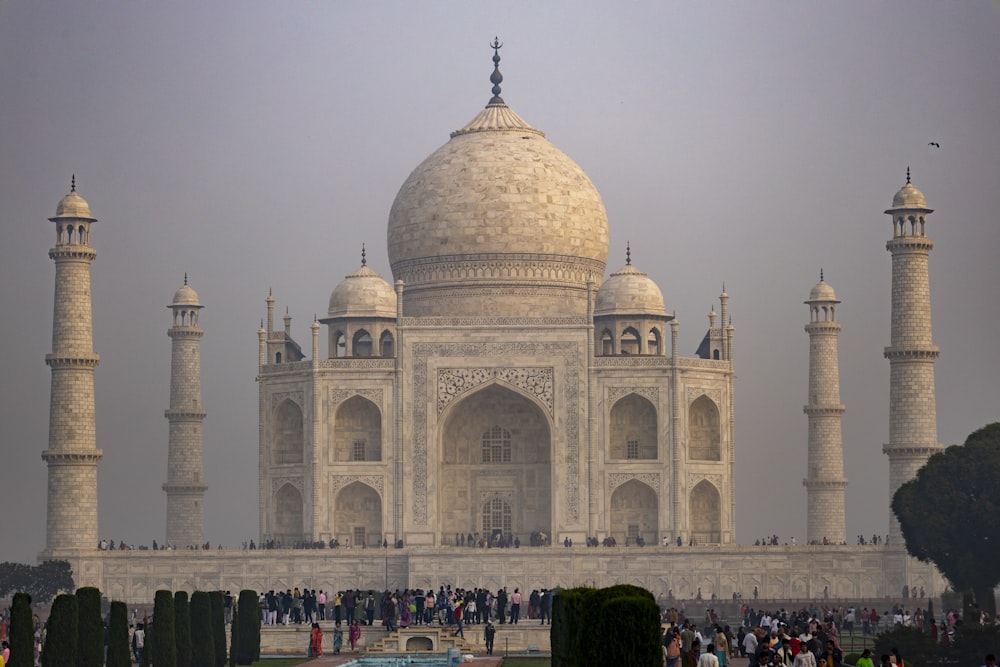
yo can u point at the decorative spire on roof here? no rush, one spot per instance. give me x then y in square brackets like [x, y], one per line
[496, 78]
[821, 274]
[185, 277]
[72, 187]
[364, 258]
[628, 253]
[907, 173]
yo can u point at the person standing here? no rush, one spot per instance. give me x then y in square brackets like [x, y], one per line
[515, 606]
[353, 635]
[370, 608]
[316, 641]
[489, 633]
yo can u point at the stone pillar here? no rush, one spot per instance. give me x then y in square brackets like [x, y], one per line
[911, 352]
[185, 487]
[824, 482]
[72, 454]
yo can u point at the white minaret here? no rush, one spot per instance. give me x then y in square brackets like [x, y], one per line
[825, 482]
[184, 487]
[72, 454]
[911, 352]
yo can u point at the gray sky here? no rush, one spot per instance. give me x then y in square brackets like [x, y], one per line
[258, 144]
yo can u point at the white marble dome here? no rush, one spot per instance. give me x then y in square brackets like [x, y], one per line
[497, 210]
[629, 291]
[822, 292]
[364, 293]
[185, 296]
[909, 196]
[73, 206]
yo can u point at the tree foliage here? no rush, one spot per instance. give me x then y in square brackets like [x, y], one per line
[61, 634]
[218, 627]
[202, 632]
[619, 625]
[164, 647]
[119, 652]
[90, 628]
[248, 649]
[182, 628]
[950, 514]
[42, 582]
[22, 632]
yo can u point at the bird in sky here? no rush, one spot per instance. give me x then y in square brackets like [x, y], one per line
[934, 144]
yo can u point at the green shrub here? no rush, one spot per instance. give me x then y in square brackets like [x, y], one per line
[119, 652]
[90, 629]
[202, 640]
[629, 631]
[164, 646]
[218, 627]
[182, 628]
[914, 645]
[249, 635]
[61, 635]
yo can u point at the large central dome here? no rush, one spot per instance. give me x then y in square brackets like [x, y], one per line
[497, 222]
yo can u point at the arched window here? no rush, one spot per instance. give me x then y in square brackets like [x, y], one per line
[362, 344]
[339, 345]
[496, 445]
[287, 440]
[385, 344]
[630, 341]
[277, 357]
[704, 430]
[497, 517]
[607, 344]
[653, 342]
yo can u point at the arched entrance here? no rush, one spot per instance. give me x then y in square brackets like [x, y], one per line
[357, 431]
[287, 515]
[357, 516]
[634, 513]
[706, 514]
[496, 467]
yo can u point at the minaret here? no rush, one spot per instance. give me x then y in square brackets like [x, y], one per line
[184, 487]
[911, 352]
[72, 454]
[825, 481]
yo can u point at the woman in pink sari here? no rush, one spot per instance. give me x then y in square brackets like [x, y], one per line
[354, 634]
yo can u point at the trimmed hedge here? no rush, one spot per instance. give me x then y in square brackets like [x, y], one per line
[62, 634]
[202, 640]
[164, 648]
[182, 628]
[22, 632]
[90, 629]
[619, 625]
[119, 652]
[248, 650]
[218, 627]
[234, 636]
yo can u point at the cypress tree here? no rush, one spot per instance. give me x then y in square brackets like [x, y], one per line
[182, 628]
[630, 628]
[119, 654]
[249, 636]
[147, 651]
[61, 635]
[164, 646]
[218, 627]
[202, 641]
[22, 633]
[234, 636]
[90, 628]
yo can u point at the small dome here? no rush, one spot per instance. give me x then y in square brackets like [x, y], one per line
[909, 196]
[73, 206]
[822, 292]
[186, 296]
[364, 293]
[629, 291]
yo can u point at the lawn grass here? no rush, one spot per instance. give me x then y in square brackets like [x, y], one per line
[543, 661]
[281, 662]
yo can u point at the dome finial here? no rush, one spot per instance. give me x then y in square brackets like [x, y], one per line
[364, 259]
[496, 78]
[185, 277]
[821, 274]
[907, 173]
[628, 253]
[72, 184]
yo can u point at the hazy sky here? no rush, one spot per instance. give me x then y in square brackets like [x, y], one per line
[256, 145]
